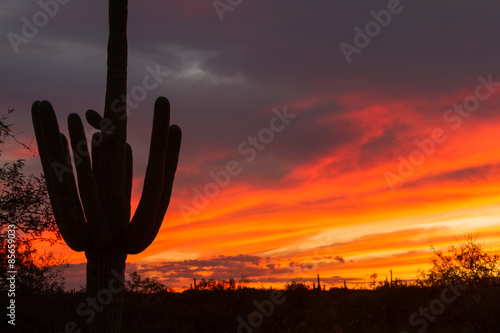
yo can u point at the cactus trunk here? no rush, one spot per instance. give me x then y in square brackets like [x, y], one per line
[105, 285]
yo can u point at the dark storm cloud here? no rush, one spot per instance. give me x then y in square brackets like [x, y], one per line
[226, 77]
[297, 43]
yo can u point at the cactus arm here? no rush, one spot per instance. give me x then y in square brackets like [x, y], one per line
[87, 185]
[73, 190]
[93, 118]
[173, 149]
[145, 214]
[51, 145]
[128, 179]
[144, 225]
[96, 139]
[147, 234]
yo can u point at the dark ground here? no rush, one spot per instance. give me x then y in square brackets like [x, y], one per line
[383, 310]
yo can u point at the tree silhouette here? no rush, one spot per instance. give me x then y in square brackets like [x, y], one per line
[468, 262]
[136, 284]
[24, 201]
[37, 273]
[25, 207]
[100, 223]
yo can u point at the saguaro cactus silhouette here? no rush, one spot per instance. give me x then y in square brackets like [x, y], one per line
[98, 221]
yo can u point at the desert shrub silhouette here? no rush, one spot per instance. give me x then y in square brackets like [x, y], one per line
[467, 262]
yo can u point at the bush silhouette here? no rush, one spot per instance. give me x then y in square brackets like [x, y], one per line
[468, 262]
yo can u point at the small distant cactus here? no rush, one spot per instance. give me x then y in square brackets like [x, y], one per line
[98, 221]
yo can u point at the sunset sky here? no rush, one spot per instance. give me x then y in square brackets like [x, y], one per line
[298, 157]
